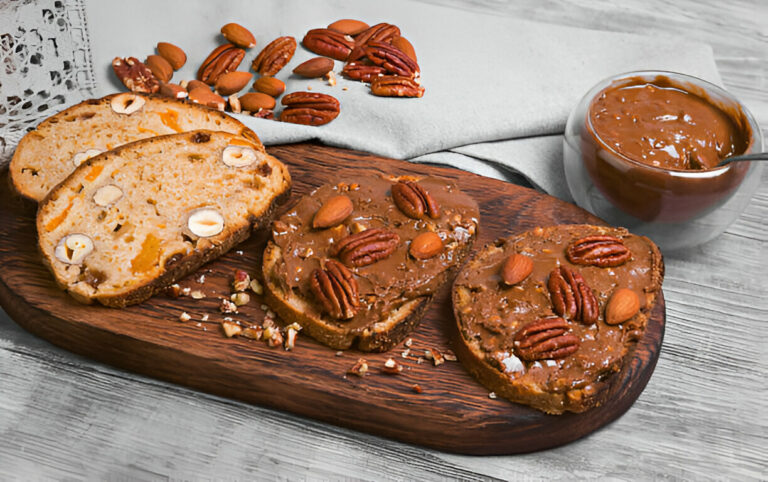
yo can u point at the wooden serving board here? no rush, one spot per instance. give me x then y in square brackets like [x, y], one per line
[452, 413]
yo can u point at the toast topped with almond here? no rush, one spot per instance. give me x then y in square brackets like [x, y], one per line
[129, 222]
[48, 154]
[357, 263]
[546, 317]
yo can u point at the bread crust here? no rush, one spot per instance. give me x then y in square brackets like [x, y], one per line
[47, 128]
[476, 360]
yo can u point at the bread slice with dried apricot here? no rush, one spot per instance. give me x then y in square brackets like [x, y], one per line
[48, 154]
[130, 221]
[356, 264]
[546, 317]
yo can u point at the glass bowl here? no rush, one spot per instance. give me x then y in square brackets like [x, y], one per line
[675, 208]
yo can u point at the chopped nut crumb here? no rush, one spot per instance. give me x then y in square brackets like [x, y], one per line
[331, 76]
[408, 342]
[173, 291]
[434, 355]
[344, 88]
[200, 279]
[339, 353]
[253, 332]
[240, 281]
[391, 367]
[197, 294]
[416, 388]
[309, 87]
[227, 306]
[240, 298]
[205, 317]
[231, 328]
[291, 331]
[406, 353]
[276, 339]
[256, 287]
[359, 369]
[184, 317]
[492, 395]
[449, 356]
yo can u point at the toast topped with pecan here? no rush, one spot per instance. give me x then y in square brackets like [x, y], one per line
[132, 220]
[48, 154]
[546, 317]
[356, 264]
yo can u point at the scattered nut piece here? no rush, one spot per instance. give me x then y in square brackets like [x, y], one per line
[331, 78]
[240, 281]
[159, 67]
[416, 388]
[359, 369]
[184, 317]
[205, 222]
[173, 291]
[449, 356]
[204, 318]
[256, 287]
[339, 353]
[275, 339]
[240, 298]
[253, 332]
[227, 306]
[238, 35]
[173, 54]
[408, 342]
[197, 294]
[173, 90]
[73, 249]
[492, 395]
[231, 328]
[434, 355]
[391, 367]
[291, 331]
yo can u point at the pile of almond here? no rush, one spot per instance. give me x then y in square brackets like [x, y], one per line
[378, 55]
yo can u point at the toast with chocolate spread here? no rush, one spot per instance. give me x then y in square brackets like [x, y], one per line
[357, 263]
[546, 317]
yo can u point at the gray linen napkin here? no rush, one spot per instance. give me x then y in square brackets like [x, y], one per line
[498, 90]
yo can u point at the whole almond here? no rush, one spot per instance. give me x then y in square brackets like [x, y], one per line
[405, 46]
[160, 67]
[623, 305]
[348, 26]
[232, 82]
[426, 245]
[516, 268]
[194, 84]
[332, 212]
[314, 68]
[173, 90]
[253, 101]
[206, 97]
[173, 54]
[270, 86]
[238, 35]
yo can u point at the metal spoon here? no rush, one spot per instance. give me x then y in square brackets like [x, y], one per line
[758, 156]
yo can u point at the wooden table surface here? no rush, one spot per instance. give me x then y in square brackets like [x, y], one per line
[702, 415]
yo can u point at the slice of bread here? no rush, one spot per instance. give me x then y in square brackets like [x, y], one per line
[130, 221]
[384, 296]
[563, 363]
[48, 154]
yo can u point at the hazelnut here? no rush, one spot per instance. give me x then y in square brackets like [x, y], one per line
[205, 222]
[126, 103]
[72, 249]
[107, 195]
[238, 156]
[81, 157]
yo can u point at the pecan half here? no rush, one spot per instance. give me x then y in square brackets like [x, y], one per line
[381, 32]
[396, 86]
[392, 59]
[545, 339]
[414, 201]
[328, 43]
[366, 247]
[599, 250]
[362, 72]
[336, 289]
[274, 56]
[224, 58]
[135, 75]
[571, 297]
[309, 108]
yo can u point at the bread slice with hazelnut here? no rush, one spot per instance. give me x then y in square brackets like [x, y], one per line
[130, 221]
[48, 154]
[546, 317]
[356, 264]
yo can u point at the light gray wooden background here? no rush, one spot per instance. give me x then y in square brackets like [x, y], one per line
[703, 414]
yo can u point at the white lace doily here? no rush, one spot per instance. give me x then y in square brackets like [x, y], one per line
[45, 61]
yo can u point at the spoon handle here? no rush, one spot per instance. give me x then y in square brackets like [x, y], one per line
[758, 156]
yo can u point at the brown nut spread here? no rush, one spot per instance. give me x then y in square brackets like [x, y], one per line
[662, 124]
[387, 283]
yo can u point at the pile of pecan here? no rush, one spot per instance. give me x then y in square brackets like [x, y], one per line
[378, 55]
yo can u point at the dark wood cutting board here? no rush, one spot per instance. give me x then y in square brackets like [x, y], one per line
[453, 413]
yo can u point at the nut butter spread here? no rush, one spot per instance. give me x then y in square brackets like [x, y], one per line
[662, 124]
[491, 314]
[386, 283]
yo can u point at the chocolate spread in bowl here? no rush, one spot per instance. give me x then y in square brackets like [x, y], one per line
[660, 124]
[387, 283]
[649, 144]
